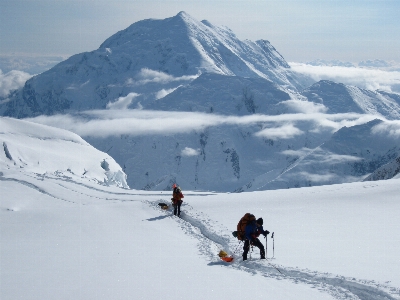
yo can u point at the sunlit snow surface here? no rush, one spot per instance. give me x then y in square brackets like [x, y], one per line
[67, 235]
[71, 237]
[61, 239]
[48, 151]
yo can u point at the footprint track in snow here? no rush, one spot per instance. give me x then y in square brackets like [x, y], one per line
[213, 237]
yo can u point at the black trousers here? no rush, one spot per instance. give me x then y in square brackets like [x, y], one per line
[177, 207]
[256, 243]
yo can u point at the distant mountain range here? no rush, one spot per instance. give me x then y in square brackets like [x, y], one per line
[370, 63]
[340, 98]
[180, 64]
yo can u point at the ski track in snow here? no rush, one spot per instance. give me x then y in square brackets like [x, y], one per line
[212, 238]
[33, 186]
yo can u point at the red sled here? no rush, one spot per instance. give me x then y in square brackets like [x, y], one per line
[224, 256]
[227, 258]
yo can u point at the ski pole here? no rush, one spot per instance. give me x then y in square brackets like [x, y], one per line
[266, 246]
[237, 248]
[274, 267]
[273, 245]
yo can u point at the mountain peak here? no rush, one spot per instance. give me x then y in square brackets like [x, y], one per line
[183, 14]
[178, 46]
[186, 18]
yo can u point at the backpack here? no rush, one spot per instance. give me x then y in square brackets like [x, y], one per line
[241, 226]
[177, 194]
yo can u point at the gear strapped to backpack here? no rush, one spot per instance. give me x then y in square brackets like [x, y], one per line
[241, 226]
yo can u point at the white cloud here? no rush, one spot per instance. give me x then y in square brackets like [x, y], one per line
[318, 177]
[164, 92]
[147, 75]
[307, 107]
[320, 155]
[32, 64]
[122, 102]
[103, 123]
[190, 152]
[11, 81]
[331, 158]
[392, 128]
[371, 79]
[300, 152]
[150, 76]
[286, 131]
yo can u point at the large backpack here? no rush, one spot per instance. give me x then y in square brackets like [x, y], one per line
[241, 226]
[177, 194]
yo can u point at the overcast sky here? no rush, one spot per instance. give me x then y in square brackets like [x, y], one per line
[301, 30]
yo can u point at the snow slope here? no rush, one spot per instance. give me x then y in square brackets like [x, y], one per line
[387, 171]
[67, 239]
[221, 157]
[228, 95]
[341, 98]
[351, 154]
[47, 151]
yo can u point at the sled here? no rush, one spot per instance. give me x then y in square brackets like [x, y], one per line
[227, 258]
[163, 205]
[224, 256]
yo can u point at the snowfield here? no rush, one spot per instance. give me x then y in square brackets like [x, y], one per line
[68, 239]
[183, 100]
[72, 235]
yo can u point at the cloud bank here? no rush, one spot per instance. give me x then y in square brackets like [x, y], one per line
[306, 107]
[32, 64]
[11, 81]
[136, 122]
[286, 131]
[370, 79]
[392, 128]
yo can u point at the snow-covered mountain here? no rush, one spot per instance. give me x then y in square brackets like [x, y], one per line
[228, 95]
[387, 171]
[217, 158]
[145, 58]
[351, 154]
[262, 130]
[44, 151]
[341, 98]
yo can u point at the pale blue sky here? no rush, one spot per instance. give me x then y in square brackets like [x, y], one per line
[301, 30]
